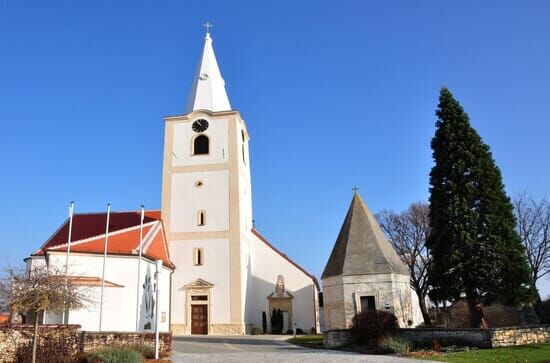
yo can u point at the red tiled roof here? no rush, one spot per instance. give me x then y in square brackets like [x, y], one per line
[88, 235]
[262, 238]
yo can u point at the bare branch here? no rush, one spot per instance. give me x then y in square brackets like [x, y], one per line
[408, 232]
[533, 227]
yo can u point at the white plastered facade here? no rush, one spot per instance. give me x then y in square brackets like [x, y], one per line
[121, 308]
[238, 269]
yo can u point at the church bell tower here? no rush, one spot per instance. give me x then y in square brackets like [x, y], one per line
[207, 206]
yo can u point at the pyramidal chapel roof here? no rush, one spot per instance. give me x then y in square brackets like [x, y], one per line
[361, 247]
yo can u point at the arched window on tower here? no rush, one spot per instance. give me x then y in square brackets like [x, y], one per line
[201, 145]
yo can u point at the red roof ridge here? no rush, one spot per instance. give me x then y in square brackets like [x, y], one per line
[264, 240]
[89, 239]
[150, 237]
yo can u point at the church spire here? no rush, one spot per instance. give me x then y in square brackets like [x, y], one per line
[208, 88]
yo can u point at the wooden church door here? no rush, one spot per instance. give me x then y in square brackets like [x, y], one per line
[199, 319]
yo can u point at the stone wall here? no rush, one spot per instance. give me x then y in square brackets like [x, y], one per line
[503, 337]
[497, 315]
[14, 338]
[89, 341]
[482, 338]
[427, 337]
[336, 338]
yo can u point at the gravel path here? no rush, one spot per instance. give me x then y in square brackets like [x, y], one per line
[254, 349]
[293, 356]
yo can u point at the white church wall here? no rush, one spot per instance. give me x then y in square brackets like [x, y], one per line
[183, 139]
[119, 303]
[213, 270]
[266, 265]
[212, 197]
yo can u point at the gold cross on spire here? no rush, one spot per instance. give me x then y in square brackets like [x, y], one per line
[208, 25]
[355, 189]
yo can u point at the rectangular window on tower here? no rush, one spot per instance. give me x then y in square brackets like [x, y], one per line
[198, 257]
[367, 303]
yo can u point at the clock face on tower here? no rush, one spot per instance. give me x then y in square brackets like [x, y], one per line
[200, 125]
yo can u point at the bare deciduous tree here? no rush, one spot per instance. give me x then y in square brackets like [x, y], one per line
[38, 290]
[533, 227]
[408, 232]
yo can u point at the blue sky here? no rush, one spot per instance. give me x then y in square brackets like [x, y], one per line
[335, 94]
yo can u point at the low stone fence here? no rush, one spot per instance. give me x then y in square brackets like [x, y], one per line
[336, 338]
[89, 340]
[18, 337]
[482, 338]
[427, 337]
[503, 337]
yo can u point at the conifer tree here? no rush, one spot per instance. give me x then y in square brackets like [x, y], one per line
[475, 249]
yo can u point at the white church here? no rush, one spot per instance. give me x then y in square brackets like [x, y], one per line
[218, 274]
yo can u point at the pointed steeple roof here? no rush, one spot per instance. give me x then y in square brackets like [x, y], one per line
[361, 247]
[208, 88]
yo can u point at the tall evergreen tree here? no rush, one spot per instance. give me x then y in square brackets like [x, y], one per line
[475, 249]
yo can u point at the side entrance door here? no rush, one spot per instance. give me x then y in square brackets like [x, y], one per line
[199, 319]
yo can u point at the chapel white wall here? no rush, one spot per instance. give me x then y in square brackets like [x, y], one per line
[265, 265]
[119, 303]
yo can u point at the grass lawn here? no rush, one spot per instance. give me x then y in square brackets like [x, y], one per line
[536, 353]
[310, 341]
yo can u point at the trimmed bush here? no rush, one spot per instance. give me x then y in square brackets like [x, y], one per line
[256, 331]
[299, 331]
[115, 355]
[264, 322]
[395, 345]
[276, 321]
[369, 327]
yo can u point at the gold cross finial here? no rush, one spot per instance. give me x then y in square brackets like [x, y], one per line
[355, 189]
[208, 25]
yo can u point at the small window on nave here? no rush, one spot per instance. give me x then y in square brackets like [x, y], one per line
[201, 218]
[197, 256]
[201, 145]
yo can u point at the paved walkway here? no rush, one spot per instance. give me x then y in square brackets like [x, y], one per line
[262, 348]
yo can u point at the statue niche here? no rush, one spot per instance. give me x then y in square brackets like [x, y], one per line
[281, 299]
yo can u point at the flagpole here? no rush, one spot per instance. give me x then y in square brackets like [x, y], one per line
[71, 213]
[104, 261]
[139, 265]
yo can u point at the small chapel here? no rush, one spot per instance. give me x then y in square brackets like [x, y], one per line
[218, 274]
[364, 272]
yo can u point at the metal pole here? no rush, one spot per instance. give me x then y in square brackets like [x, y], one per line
[139, 266]
[104, 261]
[71, 213]
[158, 264]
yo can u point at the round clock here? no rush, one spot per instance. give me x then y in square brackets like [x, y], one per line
[200, 125]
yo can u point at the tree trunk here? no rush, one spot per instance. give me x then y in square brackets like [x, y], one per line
[424, 310]
[477, 319]
[538, 303]
[35, 336]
